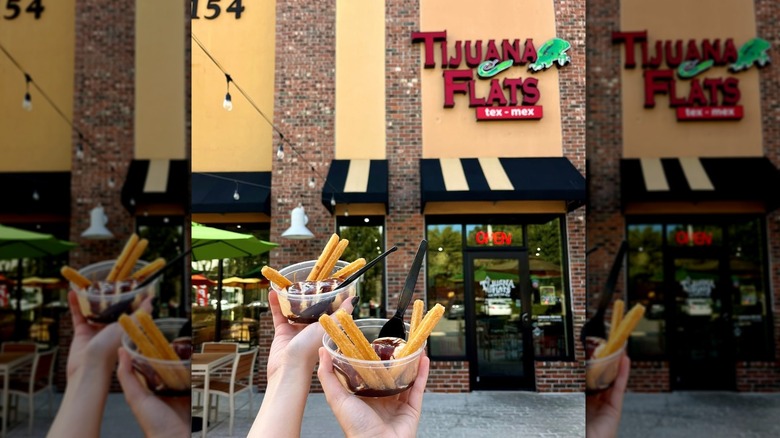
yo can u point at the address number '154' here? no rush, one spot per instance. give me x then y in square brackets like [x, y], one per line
[213, 9]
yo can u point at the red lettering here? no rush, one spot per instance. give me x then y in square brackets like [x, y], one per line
[481, 238]
[428, 38]
[681, 237]
[629, 38]
[455, 81]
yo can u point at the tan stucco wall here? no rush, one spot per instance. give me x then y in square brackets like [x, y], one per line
[160, 115]
[454, 132]
[39, 140]
[655, 132]
[239, 140]
[360, 79]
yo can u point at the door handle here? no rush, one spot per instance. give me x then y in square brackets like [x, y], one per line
[525, 318]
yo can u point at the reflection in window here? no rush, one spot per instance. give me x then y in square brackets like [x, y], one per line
[646, 286]
[752, 330]
[548, 290]
[166, 239]
[366, 240]
[445, 286]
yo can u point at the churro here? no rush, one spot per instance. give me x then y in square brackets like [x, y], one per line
[348, 349]
[364, 347]
[422, 332]
[623, 331]
[120, 261]
[149, 269]
[350, 269]
[329, 247]
[273, 275]
[618, 308]
[152, 344]
[334, 257]
[74, 277]
[417, 315]
[132, 259]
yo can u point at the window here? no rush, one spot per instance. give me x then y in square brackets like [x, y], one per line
[166, 239]
[445, 286]
[367, 240]
[646, 286]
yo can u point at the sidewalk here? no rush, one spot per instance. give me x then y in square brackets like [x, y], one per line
[700, 414]
[475, 414]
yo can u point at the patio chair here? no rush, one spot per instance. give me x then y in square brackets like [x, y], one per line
[18, 347]
[219, 347]
[240, 380]
[40, 379]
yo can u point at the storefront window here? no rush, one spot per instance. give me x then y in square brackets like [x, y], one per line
[367, 240]
[646, 283]
[166, 239]
[551, 316]
[244, 292]
[752, 327]
[494, 235]
[694, 235]
[445, 286]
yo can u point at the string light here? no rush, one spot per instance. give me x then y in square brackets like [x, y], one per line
[312, 183]
[236, 196]
[346, 211]
[228, 102]
[280, 150]
[35, 195]
[27, 101]
[332, 200]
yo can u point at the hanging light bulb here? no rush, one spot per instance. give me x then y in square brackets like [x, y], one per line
[27, 101]
[332, 200]
[236, 196]
[312, 183]
[35, 195]
[346, 212]
[79, 151]
[111, 182]
[228, 102]
[280, 152]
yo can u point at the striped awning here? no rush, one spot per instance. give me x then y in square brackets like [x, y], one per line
[152, 183]
[693, 179]
[35, 193]
[214, 192]
[355, 182]
[501, 179]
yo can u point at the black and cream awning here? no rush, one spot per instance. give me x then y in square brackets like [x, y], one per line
[694, 179]
[159, 182]
[215, 192]
[35, 193]
[355, 182]
[501, 179]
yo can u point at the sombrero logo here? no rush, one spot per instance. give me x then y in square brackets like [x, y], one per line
[510, 98]
[709, 97]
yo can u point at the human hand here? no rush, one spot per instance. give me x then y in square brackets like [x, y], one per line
[602, 410]
[395, 416]
[95, 344]
[157, 416]
[295, 343]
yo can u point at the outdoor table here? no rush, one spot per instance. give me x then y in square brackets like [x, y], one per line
[203, 364]
[8, 363]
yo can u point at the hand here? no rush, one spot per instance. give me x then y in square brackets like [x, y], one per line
[602, 410]
[294, 343]
[157, 416]
[395, 416]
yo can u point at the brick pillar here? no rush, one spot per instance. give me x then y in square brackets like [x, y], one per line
[103, 108]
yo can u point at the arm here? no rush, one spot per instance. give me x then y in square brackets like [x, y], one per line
[602, 410]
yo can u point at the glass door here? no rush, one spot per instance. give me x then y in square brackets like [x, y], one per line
[501, 347]
[702, 351]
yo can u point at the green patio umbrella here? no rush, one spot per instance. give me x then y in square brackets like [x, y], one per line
[210, 243]
[19, 244]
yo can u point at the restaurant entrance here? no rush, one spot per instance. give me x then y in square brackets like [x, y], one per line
[498, 319]
[701, 336]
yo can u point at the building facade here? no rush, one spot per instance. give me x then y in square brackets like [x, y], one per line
[446, 121]
[683, 151]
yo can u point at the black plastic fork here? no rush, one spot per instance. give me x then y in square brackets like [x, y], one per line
[595, 326]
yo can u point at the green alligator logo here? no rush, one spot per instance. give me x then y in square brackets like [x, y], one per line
[490, 68]
[693, 67]
[553, 51]
[752, 52]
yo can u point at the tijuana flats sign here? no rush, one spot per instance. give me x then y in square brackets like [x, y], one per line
[464, 63]
[668, 63]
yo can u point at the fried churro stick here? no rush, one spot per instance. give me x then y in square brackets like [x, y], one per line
[74, 277]
[120, 261]
[129, 264]
[364, 348]
[145, 336]
[149, 269]
[623, 331]
[327, 268]
[618, 308]
[417, 315]
[422, 332]
[273, 275]
[155, 336]
[331, 245]
[350, 269]
[348, 349]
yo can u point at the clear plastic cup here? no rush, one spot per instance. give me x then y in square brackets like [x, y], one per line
[106, 308]
[369, 378]
[306, 309]
[168, 378]
[600, 373]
